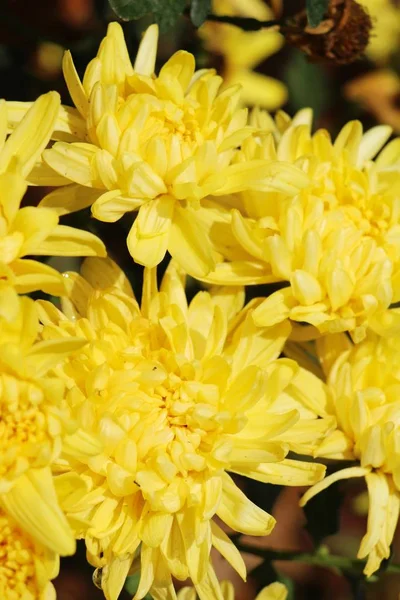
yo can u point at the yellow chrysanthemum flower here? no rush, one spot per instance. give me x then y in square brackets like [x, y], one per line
[362, 392]
[26, 567]
[178, 395]
[385, 36]
[274, 591]
[255, 46]
[156, 144]
[35, 422]
[336, 242]
[32, 230]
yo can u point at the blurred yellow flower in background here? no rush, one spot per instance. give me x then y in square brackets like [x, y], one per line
[274, 591]
[362, 392]
[336, 241]
[385, 35]
[26, 567]
[152, 144]
[178, 394]
[31, 230]
[242, 51]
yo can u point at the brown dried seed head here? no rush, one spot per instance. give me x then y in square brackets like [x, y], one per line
[340, 38]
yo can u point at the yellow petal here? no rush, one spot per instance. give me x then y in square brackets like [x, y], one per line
[260, 90]
[275, 591]
[274, 309]
[47, 354]
[239, 513]
[209, 587]
[189, 244]
[75, 87]
[325, 483]
[72, 161]
[286, 472]
[114, 575]
[227, 548]
[70, 198]
[32, 275]
[378, 494]
[147, 52]
[69, 125]
[31, 136]
[70, 241]
[32, 502]
[102, 273]
[240, 273]
[149, 236]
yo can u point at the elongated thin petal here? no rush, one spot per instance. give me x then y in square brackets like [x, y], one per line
[32, 135]
[70, 241]
[322, 485]
[240, 513]
[146, 55]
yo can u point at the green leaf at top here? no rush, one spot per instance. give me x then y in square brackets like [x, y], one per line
[128, 10]
[316, 10]
[199, 10]
[165, 12]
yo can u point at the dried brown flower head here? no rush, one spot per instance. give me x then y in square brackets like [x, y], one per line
[340, 38]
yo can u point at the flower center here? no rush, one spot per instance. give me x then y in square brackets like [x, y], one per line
[17, 568]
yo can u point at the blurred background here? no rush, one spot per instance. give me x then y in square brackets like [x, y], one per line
[274, 75]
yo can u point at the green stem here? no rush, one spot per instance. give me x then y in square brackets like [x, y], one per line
[245, 23]
[321, 558]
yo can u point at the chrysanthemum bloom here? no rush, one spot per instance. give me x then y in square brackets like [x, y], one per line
[32, 230]
[35, 423]
[26, 567]
[255, 46]
[157, 144]
[177, 400]
[337, 242]
[274, 591]
[362, 392]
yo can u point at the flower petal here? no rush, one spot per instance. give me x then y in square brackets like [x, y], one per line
[32, 502]
[70, 241]
[189, 244]
[239, 513]
[149, 236]
[32, 135]
[70, 198]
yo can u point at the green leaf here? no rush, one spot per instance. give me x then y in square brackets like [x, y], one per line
[199, 10]
[165, 12]
[128, 10]
[322, 513]
[316, 10]
[131, 585]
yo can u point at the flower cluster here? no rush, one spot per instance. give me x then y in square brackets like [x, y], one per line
[127, 422]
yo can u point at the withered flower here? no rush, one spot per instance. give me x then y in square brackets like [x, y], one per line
[340, 38]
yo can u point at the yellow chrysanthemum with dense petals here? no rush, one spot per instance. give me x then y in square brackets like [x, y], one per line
[362, 392]
[178, 395]
[255, 46]
[274, 591]
[336, 242]
[156, 144]
[35, 422]
[32, 230]
[26, 567]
